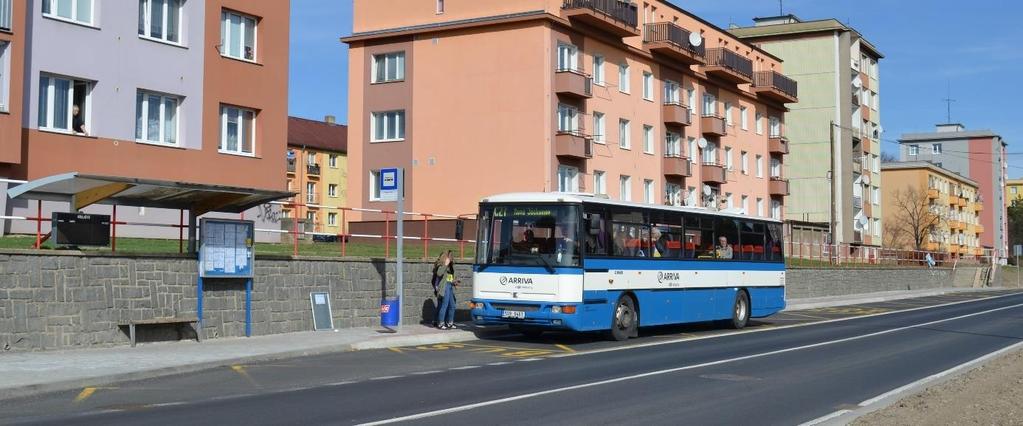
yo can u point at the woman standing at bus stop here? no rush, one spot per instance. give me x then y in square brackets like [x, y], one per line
[444, 277]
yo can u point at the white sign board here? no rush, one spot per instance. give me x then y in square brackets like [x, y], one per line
[1018, 249]
[389, 184]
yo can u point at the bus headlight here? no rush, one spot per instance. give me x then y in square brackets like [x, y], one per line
[555, 309]
[567, 309]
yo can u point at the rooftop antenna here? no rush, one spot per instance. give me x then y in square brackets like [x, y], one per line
[781, 7]
[948, 102]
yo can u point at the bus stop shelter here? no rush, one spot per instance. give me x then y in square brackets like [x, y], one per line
[82, 190]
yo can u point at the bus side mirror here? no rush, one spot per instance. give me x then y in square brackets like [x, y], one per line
[459, 229]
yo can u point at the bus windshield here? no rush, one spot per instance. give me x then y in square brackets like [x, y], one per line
[529, 235]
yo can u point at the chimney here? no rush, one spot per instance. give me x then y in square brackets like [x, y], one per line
[330, 119]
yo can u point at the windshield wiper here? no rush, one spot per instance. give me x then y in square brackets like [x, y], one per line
[546, 265]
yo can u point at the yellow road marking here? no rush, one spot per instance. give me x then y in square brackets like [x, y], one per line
[394, 350]
[241, 371]
[85, 394]
[564, 348]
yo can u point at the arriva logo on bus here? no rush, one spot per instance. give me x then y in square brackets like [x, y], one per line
[516, 280]
[668, 276]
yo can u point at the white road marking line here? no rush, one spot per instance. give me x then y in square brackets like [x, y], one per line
[166, 404]
[500, 363]
[670, 370]
[761, 330]
[529, 359]
[823, 419]
[346, 382]
[426, 372]
[466, 367]
[385, 377]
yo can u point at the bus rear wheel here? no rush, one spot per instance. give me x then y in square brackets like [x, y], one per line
[624, 320]
[740, 310]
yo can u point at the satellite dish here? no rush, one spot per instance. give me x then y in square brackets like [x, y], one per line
[695, 39]
[866, 180]
[880, 129]
[863, 221]
[857, 83]
[702, 143]
[707, 190]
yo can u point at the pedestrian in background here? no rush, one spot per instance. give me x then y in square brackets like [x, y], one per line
[444, 277]
[437, 282]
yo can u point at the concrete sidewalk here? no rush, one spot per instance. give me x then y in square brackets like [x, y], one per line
[28, 373]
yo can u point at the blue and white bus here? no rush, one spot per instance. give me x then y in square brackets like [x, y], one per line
[558, 261]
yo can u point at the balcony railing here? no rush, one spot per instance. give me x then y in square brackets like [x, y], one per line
[311, 198]
[778, 186]
[677, 166]
[713, 125]
[312, 169]
[573, 144]
[673, 40]
[677, 114]
[729, 65]
[616, 16]
[778, 144]
[573, 82]
[714, 172]
[775, 85]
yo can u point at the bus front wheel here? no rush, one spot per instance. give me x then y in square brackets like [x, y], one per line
[740, 310]
[624, 322]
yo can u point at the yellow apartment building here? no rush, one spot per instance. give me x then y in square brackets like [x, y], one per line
[953, 198]
[1013, 191]
[317, 159]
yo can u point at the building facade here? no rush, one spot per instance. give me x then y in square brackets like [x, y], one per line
[177, 90]
[835, 129]
[979, 155]
[953, 201]
[317, 160]
[640, 101]
[1013, 191]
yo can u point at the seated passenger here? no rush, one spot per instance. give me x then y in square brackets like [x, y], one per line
[723, 249]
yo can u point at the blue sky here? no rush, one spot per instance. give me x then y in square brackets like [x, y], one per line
[975, 47]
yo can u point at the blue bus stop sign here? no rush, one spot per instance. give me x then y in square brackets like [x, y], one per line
[389, 184]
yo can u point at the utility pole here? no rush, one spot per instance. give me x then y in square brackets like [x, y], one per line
[831, 175]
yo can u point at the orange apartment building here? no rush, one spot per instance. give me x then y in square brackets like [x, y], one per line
[640, 101]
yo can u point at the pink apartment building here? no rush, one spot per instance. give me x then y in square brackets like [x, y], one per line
[640, 101]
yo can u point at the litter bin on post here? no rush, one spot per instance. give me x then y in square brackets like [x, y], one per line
[389, 311]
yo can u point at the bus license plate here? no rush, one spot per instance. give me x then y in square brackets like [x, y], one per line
[513, 314]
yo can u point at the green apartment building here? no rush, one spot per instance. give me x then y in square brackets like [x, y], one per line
[834, 129]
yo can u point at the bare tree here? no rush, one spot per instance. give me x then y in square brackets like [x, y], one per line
[887, 157]
[893, 236]
[914, 218]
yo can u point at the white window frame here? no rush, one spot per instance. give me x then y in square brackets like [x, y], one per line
[744, 203]
[744, 162]
[568, 178]
[568, 57]
[331, 219]
[624, 134]
[143, 114]
[744, 118]
[875, 195]
[648, 139]
[728, 158]
[599, 127]
[440, 7]
[760, 207]
[691, 199]
[672, 93]
[710, 105]
[728, 115]
[332, 161]
[598, 70]
[728, 201]
[914, 150]
[5, 71]
[225, 35]
[776, 209]
[936, 149]
[146, 15]
[774, 127]
[691, 98]
[649, 195]
[672, 144]
[51, 95]
[625, 188]
[74, 18]
[648, 86]
[758, 122]
[332, 190]
[310, 193]
[374, 185]
[760, 166]
[693, 150]
[623, 78]
[389, 59]
[775, 168]
[599, 182]
[568, 119]
[392, 115]
[224, 111]
[673, 193]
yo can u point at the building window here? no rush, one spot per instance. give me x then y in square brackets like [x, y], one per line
[710, 107]
[775, 168]
[623, 78]
[568, 179]
[728, 201]
[744, 162]
[745, 204]
[374, 185]
[237, 130]
[388, 67]
[673, 194]
[936, 148]
[5, 69]
[775, 209]
[877, 227]
[332, 161]
[599, 128]
[237, 36]
[599, 182]
[744, 118]
[692, 150]
[310, 193]
[332, 190]
[598, 70]
[728, 158]
[624, 141]
[875, 195]
[625, 188]
[648, 192]
[914, 150]
[760, 207]
[648, 139]
[691, 199]
[648, 86]
[672, 144]
[72, 10]
[440, 6]
[710, 153]
[568, 119]
[160, 20]
[728, 114]
[568, 57]
[310, 159]
[310, 217]
[758, 122]
[388, 126]
[691, 97]
[156, 118]
[672, 93]
[331, 219]
[5, 14]
[64, 104]
[760, 166]
[775, 128]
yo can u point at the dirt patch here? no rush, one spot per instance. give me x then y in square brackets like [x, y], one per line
[991, 394]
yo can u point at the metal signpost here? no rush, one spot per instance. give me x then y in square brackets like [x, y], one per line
[392, 188]
[226, 251]
[1018, 249]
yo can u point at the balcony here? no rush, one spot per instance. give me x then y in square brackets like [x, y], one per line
[857, 165]
[932, 193]
[979, 228]
[311, 199]
[676, 166]
[291, 166]
[672, 40]
[778, 186]
[865, 112]
[573, 83]
[312, 169]
[613, 16]
[774, 85]
[714, 173]
[777, 144]
[957, 225]
[573, 144]
[713, 125]
[978, 206]
[856, 99]
[857, 202]
[677, 114]
[729, 66]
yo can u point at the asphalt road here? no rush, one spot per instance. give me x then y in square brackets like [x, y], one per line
[773, 374]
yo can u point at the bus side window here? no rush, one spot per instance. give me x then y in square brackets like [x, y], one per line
[773, 250]
[596, 234]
